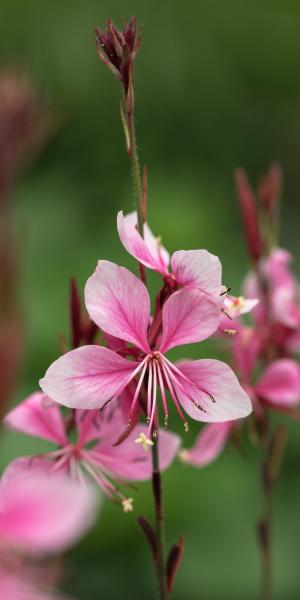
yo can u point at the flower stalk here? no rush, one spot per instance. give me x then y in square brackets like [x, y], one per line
[117, 49]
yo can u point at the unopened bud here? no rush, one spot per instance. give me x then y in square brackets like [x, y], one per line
[249, 214]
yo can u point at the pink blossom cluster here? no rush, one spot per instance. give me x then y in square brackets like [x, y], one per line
[262, 348]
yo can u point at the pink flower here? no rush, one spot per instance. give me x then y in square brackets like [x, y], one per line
[41, 514]
[192, 269]
[209, 444]
[19, 586]
[119, 304]
[41, 417]
[281, 300]
[278, 387]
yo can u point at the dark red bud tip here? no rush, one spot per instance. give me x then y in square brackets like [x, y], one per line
[270, 188]
[149, 535]
[117, 49]
[173, 563]
[75, 313]
[249, 214]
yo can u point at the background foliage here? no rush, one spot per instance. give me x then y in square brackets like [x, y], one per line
[217, 87]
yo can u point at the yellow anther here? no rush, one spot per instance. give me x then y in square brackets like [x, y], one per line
[186, 427]
[144, 441]
[230, 331]
[127, 504]
[184, 455]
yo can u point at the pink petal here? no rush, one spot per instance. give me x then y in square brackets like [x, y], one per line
[129, 460]
[215, 378]
[276, 268]
[198, 269]
[285, 308]
[22, 586]
[87, 377]
[38, 416]
[246, 347]
[279, 385]
[234, 307]
[22, 466]
[148, 251]
[44, 514]
[87, 426]
[189, 316]
[119, 303]
[209, 444]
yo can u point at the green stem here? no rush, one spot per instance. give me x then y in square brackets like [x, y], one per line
[265, 528]
[159, 524]
[135, 173]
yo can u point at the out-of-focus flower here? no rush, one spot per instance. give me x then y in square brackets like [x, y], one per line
[249, 215]
[209, 444]
[39, 515]
[92, 452]
[269, 190]
[119, 304]
[24, 124]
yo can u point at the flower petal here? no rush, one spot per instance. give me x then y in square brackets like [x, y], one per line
[42, 513]
[280, 384]
[148, 251]
[236, 306]
[87, 377]
[189, 316]
[209, 444]
[129, 460]
[38, 415]
[212, 377]
[198, 269]
[119, 303]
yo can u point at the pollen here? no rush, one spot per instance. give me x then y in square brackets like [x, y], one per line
[184, 455]
[144, 441]
[186, 427]
[127, 504]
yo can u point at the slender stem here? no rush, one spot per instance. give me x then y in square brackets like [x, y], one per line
[135, 173]
[129, 127]
[264, 532]
[159, 523]
[273, 446]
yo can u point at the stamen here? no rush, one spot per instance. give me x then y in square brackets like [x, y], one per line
[127, 504]
[184, 391]
[173, 394]
[144, 441]
[154, 393]
[183, 376]
[149, 391]
[137, 391]
[163, 394]
[59, 463]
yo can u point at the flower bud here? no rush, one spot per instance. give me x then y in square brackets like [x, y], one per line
[249, 214]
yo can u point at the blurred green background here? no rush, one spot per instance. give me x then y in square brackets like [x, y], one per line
[217, 86]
